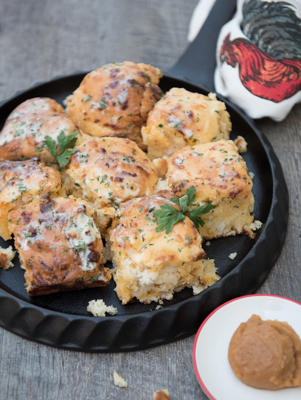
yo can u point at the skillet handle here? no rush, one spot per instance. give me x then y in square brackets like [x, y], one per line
[198, 62]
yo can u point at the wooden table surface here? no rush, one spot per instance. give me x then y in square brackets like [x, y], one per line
[41, 39]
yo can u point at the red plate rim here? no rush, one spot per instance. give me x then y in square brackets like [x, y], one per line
[205, 321]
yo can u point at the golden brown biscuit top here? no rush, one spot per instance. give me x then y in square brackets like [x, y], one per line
[113, 169]
[35, 128]
[215, 169]
[115, 99]
[37, 105]
[31, 178]
[57, 232]
[193, 115]
[134, 236]
[26, 128]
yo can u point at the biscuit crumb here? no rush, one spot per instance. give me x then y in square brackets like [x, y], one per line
[119, 381]
[99, 308]
[232, 256]
[241, 144]
[251, 175]
[256, 225]
[158, 307]
[162, 395]
[208, 243]
[6, 257]
[161, 166]
[161, 302]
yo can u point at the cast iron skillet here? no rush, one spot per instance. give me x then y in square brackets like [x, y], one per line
[61, 320]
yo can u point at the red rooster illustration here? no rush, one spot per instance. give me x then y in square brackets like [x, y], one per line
[270, 64]
[260, 73]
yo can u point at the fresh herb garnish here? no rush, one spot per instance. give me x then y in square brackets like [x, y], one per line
[168, 216]
[195, 214]
[39, 148]
[88, 98]
[115, 204]
[65, 143]
[81, 246]
[22, 188]
[178, 123]
[102, 105]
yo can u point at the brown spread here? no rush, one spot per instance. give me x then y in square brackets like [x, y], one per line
[266, 354]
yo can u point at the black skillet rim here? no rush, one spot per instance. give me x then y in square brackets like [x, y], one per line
[80, 333]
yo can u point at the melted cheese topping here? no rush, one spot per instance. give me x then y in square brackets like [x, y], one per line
[38, 128]
[82, 231]
[27, 178]
[79, 230]
[38, 105]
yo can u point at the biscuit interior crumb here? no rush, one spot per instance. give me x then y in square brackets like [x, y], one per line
[256, 225]
[241, 144]
[119, 381]
[162, 395]
[99, 309]
[6, 257]
[232, 256]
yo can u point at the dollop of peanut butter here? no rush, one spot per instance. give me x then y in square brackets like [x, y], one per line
[266, 354]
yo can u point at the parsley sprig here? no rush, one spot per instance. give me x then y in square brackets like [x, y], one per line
[65, 144]
[168, 215]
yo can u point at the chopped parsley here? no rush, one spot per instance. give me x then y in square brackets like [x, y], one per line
[65, 144]
[22, 188]
[89, 97]
[168, 216]
[178, 123]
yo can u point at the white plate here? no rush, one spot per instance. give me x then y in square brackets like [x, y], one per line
[210, 349]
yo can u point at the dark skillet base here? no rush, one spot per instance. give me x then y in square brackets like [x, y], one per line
[61, 320]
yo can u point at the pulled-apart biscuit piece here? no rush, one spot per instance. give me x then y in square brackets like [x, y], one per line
[183, 118]
[109, 171]
[115, 100]
[59, 246]
[20, 183]
[6, 257]
[26, 128]
[152, 265]
[221, 177]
